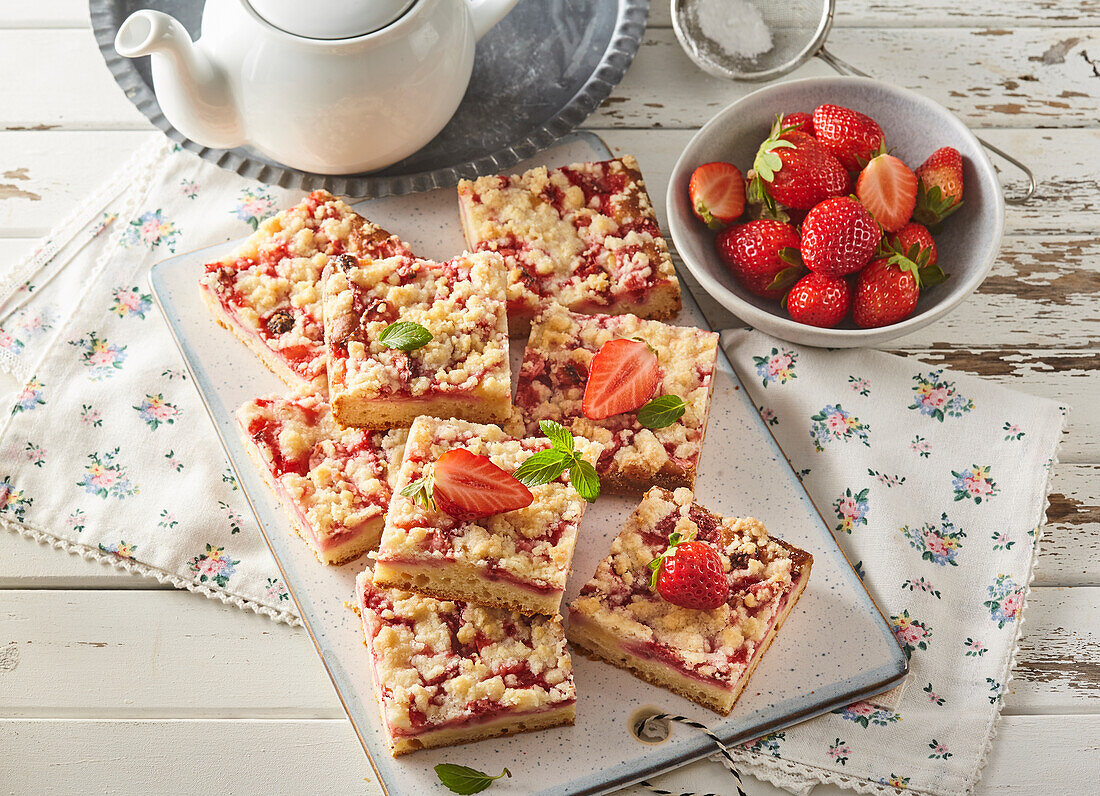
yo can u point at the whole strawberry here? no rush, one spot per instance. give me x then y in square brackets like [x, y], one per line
[803, 122]
[915, 235]
[690, 574]
[886, 292]
[851, 136]
[762, 256]
[793, 169]
[819, 300]
[940, 186]
[839, 237]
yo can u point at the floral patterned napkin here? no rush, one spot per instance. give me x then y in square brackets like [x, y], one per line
[935, 485]
[107, 451]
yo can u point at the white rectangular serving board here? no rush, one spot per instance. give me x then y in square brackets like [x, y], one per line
[835, 647]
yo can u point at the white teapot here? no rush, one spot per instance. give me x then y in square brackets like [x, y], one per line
[328, 86]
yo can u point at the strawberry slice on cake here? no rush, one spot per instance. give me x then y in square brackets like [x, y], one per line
[268, 290]
[461, 526]
[688, 600]
[584, 235]
[639, 388]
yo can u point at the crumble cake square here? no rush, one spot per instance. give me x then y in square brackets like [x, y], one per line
[462, 371]
[552, 381]
[449, 672]
[705, 656]
[585, 235]
[267, 291]
[518, 560]
[332, 482]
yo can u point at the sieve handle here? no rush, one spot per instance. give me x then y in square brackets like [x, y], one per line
[845, 68]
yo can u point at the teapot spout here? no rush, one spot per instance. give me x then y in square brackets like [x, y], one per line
[487, 13]
[192, 92]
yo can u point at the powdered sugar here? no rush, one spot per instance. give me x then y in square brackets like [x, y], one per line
[737, 26]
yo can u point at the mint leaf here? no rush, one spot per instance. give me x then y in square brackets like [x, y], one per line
[559, 435]
[543, 467]
[463, 779]
[662, 411]
[421, 491]
[582, 476]
[405, 336]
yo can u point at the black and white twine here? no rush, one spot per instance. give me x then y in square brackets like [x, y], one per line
[723, 754]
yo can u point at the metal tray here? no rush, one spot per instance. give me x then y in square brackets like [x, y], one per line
[537, 75]
[835, 647]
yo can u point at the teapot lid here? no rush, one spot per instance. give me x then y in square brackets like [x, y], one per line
[330, 19]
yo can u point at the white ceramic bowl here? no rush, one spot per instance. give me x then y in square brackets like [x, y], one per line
[915, 127]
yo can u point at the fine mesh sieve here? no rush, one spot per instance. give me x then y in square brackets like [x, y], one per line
[798, 30]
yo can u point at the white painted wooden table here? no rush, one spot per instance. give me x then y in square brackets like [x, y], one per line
[107, 679]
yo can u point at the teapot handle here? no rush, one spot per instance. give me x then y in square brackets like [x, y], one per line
[486, 13]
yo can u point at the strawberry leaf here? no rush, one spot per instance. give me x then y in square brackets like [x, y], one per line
[421, 490]
[931, 275]
[559, 435]
[662, 411]
[543, 467]
[787, 277]
[582, 475]
[405, 336]
[465, 780]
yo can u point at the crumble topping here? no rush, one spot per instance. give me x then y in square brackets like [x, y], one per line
[585, 235]
[337, 478]
[530, 545]
[717, 645]
[441, 662]
[555, 370]
[269, 285]
[461, 302]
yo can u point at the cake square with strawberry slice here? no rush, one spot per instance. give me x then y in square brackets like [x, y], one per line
[332, 482]
[268, 290]
[584, 235]
[603, 377]
[408, 337]
[460, 526]
[449, 672]
[688, 600]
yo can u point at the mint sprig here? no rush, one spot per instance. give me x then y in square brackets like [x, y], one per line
[545, 466]
[662, 411]
[463, 779]
[421, 490]
[405, 336]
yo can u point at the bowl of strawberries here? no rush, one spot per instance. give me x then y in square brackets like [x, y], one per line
[836, 211]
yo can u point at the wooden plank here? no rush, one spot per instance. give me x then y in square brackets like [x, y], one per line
[1003, 80]
[43, 176]
[849, 14]
[134, 654]
[13, 250]
[323, 756]
[943, 13]
[26, 563]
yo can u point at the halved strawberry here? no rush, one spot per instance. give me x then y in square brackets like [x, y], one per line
[793, 169]
[468, 486]
[717, 192]
[941, 186]
[851, 136]
[888, 188]
[621, 377]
